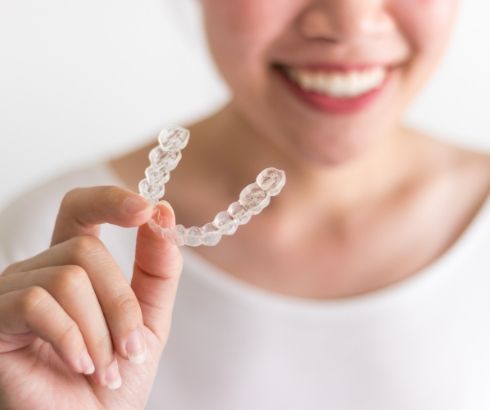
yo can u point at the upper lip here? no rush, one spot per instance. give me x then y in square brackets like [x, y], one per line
[341, 67]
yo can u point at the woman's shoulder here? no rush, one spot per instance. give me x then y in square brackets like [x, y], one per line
[27, 220]
[471, 168]
[472, 161]
[467, 168]
[455, 187]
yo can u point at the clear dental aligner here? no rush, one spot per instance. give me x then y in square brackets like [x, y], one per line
[253, 198]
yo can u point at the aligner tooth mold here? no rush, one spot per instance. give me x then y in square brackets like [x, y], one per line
[252, 200]
[225, 223]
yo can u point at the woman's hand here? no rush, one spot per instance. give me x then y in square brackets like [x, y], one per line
[70, 309]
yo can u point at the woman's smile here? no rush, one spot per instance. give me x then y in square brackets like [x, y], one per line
[335, 89]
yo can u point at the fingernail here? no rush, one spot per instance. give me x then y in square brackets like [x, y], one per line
[134, 205]
[135, 347]
[166, 204]
[162, 217]
[86, 363]
[112, 376]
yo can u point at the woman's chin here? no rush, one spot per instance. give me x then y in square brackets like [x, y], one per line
[331, 151]
[338, 158]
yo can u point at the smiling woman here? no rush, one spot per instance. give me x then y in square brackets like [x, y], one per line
[363, 285]
[329, 44]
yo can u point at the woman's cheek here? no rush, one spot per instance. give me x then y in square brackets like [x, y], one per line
[426, 23]
[248, 26]
[238, 19]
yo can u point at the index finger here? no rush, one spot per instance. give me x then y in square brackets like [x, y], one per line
[82, 210]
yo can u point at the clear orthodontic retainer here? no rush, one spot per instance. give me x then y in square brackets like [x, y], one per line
[253, 198]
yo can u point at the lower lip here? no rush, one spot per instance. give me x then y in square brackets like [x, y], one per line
[334, 105]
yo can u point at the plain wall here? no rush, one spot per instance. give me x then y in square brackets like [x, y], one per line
[85, 80]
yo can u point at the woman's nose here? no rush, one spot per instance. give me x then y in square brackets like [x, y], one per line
[339, 21]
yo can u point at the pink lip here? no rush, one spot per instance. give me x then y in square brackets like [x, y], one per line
[333, 105]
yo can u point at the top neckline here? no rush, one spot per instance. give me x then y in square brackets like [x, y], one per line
[431, 275]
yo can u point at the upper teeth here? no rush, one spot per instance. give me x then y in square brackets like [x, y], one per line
[338, 84]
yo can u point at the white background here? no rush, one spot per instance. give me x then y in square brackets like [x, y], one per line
[81, 80]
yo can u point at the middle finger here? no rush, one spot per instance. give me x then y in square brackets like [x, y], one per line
[119, 304]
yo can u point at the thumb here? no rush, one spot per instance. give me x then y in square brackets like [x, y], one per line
[157, 269]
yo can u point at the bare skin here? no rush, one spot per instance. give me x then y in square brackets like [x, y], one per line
[351, 234]
[73, 298]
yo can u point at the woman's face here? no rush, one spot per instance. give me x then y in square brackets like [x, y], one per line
[326, 79]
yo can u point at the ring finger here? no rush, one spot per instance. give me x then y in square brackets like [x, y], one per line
[70, 286]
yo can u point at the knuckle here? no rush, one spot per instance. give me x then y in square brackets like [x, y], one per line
[12, 268]
[85, 245]
[70, 197]
[70, 278]
[126, 306]
[109, 195]
[111, 192]
[32, 298]
[69, 336]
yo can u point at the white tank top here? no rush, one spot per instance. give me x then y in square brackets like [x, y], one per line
[421, 344]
